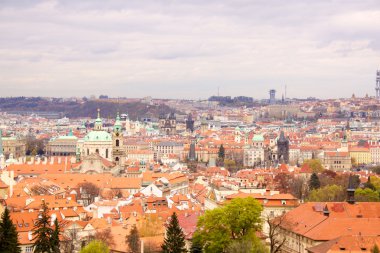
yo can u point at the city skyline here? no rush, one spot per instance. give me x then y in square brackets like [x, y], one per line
[189, 49]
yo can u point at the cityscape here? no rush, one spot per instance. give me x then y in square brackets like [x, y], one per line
[192, 127]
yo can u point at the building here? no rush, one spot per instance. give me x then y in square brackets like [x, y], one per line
[62, 145]
[337, 161]
[283, 149]
[118, 150]
[168, 124]
[97, 141]
[314, 223]
[190, 123]
[14, 146]
[272, 97]
[167, 147]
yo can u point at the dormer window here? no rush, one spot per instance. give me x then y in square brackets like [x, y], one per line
[283, 202]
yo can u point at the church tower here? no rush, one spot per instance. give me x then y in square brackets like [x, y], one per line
[98, 126]
[283, 149]
[118, 152]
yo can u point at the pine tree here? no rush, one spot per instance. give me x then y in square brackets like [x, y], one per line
[196, 246]
[8, 234]
[54, 239]
[314, 182]
[175, 239]
[133, 240]
[43, 232]
[375, 249]
[221, 152]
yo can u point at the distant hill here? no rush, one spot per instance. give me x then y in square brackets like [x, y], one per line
[89, 108]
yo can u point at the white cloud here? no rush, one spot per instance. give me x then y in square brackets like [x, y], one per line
[188, 48]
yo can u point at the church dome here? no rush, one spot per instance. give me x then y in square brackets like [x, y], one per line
[98, 136]
[257, 138]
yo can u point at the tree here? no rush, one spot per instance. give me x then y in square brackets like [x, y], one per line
[105, 236]
[283, 182]
[328, 193]
[42, 232]
[375, 249]
[133, 240]
[95, 247]
[88, 192]
[315, 165]
[253, 245]
[8, 234]
[150, 225]
[217, 229]
[175, 239]
[221, 152]
[54, 239]
[314, 182]
[196, 246]
[275, 240]
[366, 195]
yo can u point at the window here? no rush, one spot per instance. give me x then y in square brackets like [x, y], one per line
[107, 153]
[29, 249]
[117, 143]
[283, 202]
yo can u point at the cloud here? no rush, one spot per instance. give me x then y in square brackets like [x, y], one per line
[186, 48]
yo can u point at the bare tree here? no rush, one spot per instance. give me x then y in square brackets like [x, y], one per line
[105, 236]
[276, 241]
[88, 192]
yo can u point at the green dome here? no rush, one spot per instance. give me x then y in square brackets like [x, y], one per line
[258, 137]
[98, 136]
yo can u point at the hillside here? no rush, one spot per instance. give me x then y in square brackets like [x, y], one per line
[73, 109]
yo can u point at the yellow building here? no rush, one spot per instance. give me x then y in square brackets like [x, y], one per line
[360, 155]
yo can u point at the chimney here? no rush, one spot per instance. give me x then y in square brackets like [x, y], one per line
[59, 160]
[326, 211]
[109, 220]
[30, 235]
[52, 219]
[51, 160]
[351, 190]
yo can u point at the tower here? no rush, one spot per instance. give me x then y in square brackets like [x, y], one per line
[283, 148]
[98, 126]
[2, 158]
[190, 123]
[272, 96]
[118, 154]
[377, 84]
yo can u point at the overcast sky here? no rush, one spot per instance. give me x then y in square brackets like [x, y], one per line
[187, 49]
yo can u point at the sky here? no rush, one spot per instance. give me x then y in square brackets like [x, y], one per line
[189, 49]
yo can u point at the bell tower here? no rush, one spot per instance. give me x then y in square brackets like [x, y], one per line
[118, 152]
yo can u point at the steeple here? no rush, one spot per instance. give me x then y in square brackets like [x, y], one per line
[117, 126]
[98, 126]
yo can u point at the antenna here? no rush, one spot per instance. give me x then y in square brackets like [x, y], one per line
[285, 92]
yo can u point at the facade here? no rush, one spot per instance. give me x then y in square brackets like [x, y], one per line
[62, 145]
[337, 161]
[96, 142]
[360, 155]
[167, 147]
[14, 146]
[168, 124]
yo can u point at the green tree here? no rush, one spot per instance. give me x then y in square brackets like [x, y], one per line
[54, 239]
[42, 232]
[375, 249]
[196, 246]
[328, 193]
[221, 152]
[366, 195]
[175, 239]
[8, 234]
[96, 247]
[314, 182]
[217, 229]
[133, 240]
[315, 165]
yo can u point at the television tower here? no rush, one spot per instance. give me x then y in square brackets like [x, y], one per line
[377, 84]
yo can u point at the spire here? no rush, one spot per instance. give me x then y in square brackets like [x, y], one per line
[117, 126]
[98, 122]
